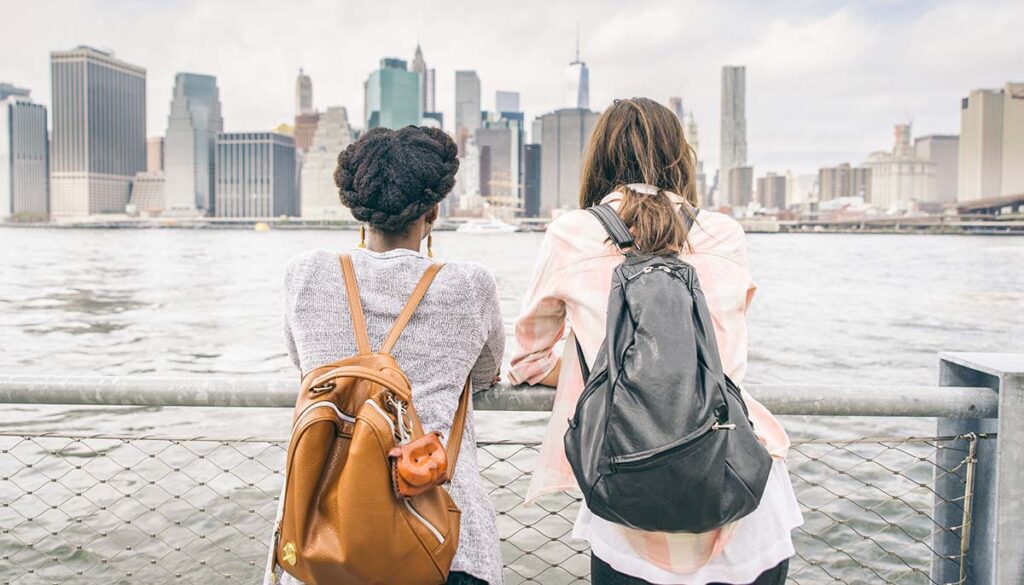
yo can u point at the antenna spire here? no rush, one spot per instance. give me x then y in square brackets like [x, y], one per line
[577, 41]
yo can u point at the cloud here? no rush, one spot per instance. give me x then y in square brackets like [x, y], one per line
[826, 80]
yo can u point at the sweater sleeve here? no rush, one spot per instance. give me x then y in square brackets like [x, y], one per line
[541, 324]
[489, 361]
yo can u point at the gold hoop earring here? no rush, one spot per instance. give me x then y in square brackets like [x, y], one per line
[362, 236]
[430, 245]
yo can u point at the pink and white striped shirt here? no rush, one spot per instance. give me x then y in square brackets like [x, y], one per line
[571, 282]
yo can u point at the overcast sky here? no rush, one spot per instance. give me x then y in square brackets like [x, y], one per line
[826, 80]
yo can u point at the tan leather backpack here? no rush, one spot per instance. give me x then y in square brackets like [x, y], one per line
[342, 520]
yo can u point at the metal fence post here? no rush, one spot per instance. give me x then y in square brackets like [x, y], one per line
[996, 553]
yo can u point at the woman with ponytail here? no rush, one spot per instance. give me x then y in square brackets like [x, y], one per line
[639, 163]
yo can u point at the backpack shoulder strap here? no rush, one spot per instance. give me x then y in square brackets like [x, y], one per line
[458, 425]
[617, 229]
[410, 307]
[689, 215]
[355, 307]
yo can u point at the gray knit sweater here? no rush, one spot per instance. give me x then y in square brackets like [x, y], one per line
[456, 331]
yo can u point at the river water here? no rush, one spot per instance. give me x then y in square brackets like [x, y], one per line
[863, 309]
[830, 308]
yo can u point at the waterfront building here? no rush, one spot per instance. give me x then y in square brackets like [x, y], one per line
[899, 177]
[192, 129]
[741, 186]
[392, 96]
[1012, 180]
[467, 105]
[943, 151]
[148, 194]
[536, 130]
[500, 143]
[7, 90]
[24, 158]
[771, 191]
[155, 154]
[506, 102]
[319, 193]
[531, 180]
[467, 179]
[979, 169]
[430, 100]
[303, 94]
[427, 77]
[844, 181]
[692, 135]
[734, 129]
[99, 131]
[305, 128]
[255, 175]
[564, 135]
[578, 87]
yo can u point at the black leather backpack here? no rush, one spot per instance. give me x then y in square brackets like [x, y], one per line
[661, 439]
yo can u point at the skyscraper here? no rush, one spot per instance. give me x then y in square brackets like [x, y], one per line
[427, 77]
[991, 156]
[981, 145]
[467, 105]
[430, 99]
[303, 94]
[392, 96]
[531, 180]
[506, 101]
[24, 158]
[734, 129]
[502, 141]
[578, 76]
[192, 129]
[564, 136]
[319, 196]
[741, 186]
[99, 131]
[255, 175]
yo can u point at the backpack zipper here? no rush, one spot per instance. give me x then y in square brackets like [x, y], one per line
[426, 523]
[322, 404]
[433, 530]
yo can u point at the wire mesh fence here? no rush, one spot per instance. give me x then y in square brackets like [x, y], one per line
[114, 509]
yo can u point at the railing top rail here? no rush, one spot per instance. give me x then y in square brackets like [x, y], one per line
[276, 392]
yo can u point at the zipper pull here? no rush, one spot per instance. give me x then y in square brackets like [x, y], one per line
[720, 427]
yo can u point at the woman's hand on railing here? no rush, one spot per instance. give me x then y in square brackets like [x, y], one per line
[551, 379]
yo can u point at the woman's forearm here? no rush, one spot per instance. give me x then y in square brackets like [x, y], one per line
[551, 379]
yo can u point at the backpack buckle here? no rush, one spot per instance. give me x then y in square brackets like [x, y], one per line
[403, 434]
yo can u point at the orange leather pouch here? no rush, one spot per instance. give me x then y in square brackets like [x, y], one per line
[419, 465]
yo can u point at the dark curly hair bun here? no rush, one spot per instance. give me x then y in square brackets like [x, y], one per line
[390, 178]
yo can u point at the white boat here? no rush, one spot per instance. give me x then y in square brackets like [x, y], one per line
[486, 226]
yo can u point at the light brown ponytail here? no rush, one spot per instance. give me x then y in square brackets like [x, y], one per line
[639, 141]
[654, 220]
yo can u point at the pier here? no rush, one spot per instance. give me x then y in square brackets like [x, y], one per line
[145, 508]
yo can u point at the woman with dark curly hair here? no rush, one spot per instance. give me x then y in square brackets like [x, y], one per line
[393, 181]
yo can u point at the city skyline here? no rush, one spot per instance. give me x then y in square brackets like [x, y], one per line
[825, 81]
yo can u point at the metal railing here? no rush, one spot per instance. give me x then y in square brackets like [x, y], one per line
[132, 509]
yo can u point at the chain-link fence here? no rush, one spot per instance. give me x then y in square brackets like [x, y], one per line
[112, 509]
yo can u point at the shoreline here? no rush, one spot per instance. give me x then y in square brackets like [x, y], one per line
[903, 226]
